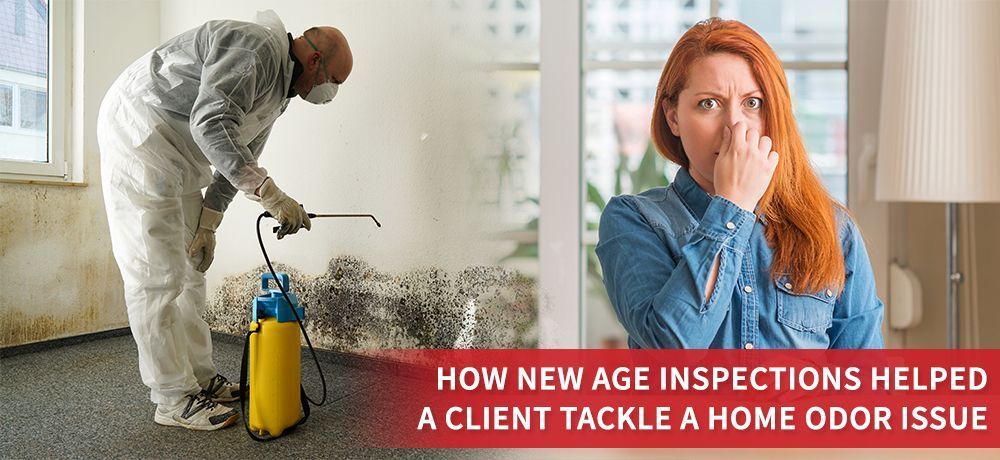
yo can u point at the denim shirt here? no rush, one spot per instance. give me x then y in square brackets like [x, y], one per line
[657, 250]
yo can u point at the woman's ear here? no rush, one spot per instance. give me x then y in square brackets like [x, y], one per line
[670, 113]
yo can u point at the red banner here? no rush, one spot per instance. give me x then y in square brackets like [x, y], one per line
[680, 398]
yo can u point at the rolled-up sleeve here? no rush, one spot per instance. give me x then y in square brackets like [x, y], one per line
[659, 297]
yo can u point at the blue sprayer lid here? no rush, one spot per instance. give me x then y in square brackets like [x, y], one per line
[273, 304]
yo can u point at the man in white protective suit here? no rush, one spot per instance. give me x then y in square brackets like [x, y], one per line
[204, 99]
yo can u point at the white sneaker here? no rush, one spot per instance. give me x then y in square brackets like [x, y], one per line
[221, 390]
[196, 412]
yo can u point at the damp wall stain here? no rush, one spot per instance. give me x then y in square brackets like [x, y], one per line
[20, 328]
[55, 253]
[353, 307]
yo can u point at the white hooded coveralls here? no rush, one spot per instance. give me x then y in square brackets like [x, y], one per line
[205, 98]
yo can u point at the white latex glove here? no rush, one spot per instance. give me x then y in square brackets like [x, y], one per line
[204, 238]
[290, 215]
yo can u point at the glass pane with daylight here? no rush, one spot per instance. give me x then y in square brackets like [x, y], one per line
[23, 80]
[511, 176]
[6, 105]
[637, 30]
[618, 106]
[819, 99]
[33, 109]
[798, 30]
[497, 31]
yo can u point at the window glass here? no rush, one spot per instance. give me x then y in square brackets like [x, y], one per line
[33, 109]
[802, 30]
[6, 105]
[24, 68]
[498, 31]
[514, 161]
[637, 30]
[819, 99]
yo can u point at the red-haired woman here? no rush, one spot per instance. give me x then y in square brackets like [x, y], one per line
[745, 249]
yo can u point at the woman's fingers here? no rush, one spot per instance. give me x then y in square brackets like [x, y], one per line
[764, 145]
[739, 137]
[753, 138]
[744, 176]
[727, 138]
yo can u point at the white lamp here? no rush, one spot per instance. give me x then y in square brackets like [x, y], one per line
[939, 132]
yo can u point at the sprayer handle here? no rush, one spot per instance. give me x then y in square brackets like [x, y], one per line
[311, 216]
[266, 278]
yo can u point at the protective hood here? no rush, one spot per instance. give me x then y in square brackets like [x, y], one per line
[270, 19]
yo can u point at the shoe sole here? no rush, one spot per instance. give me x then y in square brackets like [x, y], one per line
[169, 421]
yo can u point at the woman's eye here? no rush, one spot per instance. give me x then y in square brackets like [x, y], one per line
[755, 102]
[708, 104]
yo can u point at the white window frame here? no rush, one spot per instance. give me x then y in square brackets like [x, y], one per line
[59, 95]
[560, 235]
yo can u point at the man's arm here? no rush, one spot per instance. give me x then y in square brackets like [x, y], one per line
[221, 192]
[228, 89]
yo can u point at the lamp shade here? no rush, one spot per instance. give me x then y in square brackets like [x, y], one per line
[939, 128]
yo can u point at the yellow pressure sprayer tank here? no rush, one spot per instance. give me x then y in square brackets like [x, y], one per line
[275, 395]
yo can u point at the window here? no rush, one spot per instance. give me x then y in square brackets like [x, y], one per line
[33, 137]
[620, 75]
[508, 49]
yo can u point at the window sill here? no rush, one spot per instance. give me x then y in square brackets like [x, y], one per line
[53, 181]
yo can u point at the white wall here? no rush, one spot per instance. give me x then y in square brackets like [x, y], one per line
[55, 250]
[399, 141]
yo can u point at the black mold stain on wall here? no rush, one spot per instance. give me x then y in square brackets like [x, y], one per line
[354, 307]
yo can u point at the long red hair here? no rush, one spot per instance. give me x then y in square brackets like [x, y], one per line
[801, 217]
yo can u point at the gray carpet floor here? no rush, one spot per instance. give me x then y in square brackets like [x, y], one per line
[86, 400]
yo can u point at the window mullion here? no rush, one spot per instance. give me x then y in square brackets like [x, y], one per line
[560, 224]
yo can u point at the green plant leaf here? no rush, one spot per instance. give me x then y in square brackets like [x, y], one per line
[594, 196]
[650, 173]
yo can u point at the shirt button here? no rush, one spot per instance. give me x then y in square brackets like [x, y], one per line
[788, 286]
[829, 293]
[730, 225]
[749, 289]
[748, 346]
